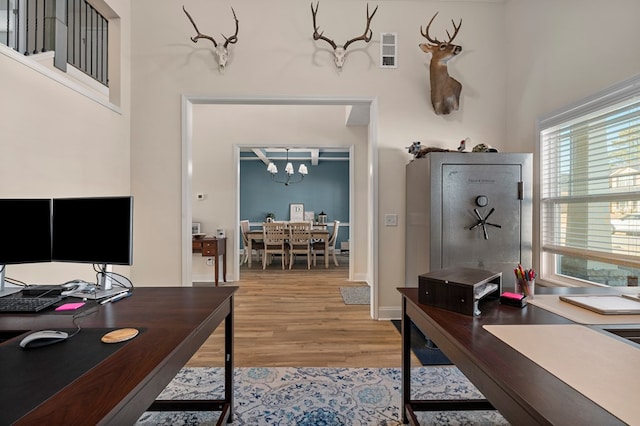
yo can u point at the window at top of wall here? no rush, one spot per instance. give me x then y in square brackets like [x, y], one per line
[68, 38]
[590, 190]
[388, 50]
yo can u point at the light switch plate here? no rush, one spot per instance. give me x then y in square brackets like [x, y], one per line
[390, 220]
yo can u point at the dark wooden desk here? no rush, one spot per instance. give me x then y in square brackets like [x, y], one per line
[213, 247]
[525, 393]
[174, 323]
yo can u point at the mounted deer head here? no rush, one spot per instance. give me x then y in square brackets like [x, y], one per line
[445, 90]
[339, 52]
[221, 52]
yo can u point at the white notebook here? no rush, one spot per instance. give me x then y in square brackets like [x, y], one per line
[606, 304]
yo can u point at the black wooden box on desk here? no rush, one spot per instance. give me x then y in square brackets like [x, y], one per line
[459, 289]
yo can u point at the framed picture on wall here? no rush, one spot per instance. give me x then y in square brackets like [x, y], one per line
[296, 212]
[195, 227]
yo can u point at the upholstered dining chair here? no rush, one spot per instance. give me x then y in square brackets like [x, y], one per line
[318, 246]
[274, 236]
[256, 245]
[300, 241]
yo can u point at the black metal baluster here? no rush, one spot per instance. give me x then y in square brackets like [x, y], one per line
[99, 68]
[35, 33]
[92, 15]
[16, 24]
[7, 43]
[69, 40]
[106, 58]
[74, 42]
[70, 33]
[26, 32]
[86, 29]
[44, 26]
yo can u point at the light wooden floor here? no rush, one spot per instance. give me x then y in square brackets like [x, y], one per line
[297, 318]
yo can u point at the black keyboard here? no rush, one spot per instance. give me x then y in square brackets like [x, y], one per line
[10, 304]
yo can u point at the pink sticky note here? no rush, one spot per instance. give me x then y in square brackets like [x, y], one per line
[70, 306]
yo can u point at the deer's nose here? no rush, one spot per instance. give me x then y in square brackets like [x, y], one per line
[457, 50]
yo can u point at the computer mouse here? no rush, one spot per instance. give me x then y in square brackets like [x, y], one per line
[43, 338]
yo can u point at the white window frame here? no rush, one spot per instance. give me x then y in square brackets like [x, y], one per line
[384, 54]
[548, 253]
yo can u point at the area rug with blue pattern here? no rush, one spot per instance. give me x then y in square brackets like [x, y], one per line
[321, 396]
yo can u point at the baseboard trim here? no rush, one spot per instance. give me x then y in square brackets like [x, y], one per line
[388, 313]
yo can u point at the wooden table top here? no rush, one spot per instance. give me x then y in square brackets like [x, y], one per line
[173, 324]
[524, 392]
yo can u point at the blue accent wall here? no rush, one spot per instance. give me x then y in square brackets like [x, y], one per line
[325, 188]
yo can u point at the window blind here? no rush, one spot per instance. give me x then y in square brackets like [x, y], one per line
[590, 179]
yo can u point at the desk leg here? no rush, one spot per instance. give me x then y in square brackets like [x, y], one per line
[249, 247]
[410, 406]
[228, 362]
[224, 266]
[216, 268]
[406, 362]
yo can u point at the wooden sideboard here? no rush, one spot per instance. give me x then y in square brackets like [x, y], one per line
[213, 247]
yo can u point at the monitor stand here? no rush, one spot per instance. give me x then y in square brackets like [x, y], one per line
[6, 291]
[104, 287]
[105, 283]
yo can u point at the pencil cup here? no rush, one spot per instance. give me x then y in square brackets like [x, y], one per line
[526, 287]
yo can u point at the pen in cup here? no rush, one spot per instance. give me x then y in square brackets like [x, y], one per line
[525, 280]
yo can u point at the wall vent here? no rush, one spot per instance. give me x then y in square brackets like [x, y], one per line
[388, 50]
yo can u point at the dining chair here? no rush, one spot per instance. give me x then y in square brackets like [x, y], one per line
[318, 246]
[274, 235]
[300, 241]
[256, 245]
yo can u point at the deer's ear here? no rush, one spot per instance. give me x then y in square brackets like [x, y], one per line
[425, 47]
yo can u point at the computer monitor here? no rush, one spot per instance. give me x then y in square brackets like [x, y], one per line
[25, 234]
[96, 230]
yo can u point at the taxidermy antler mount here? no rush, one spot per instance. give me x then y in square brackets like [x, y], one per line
[221, 52]
[339, 52]
[445, 90]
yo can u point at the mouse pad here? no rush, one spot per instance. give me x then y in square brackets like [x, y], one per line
[41, 372]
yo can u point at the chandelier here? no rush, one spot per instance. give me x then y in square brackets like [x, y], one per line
[271, 168]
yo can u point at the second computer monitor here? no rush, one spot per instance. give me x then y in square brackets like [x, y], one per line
[95, 230]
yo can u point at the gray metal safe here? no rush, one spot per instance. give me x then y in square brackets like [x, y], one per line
[471, 210]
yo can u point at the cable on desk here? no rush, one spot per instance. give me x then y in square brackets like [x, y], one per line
[77, 317]
[115, 277]
[13, 280]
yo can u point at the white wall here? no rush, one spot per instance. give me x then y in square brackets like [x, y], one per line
[276, 56]
[58, 143]
[562, 51]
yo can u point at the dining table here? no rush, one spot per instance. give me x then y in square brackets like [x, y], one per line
[317, 234]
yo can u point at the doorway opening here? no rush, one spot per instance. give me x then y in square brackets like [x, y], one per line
[357, 110]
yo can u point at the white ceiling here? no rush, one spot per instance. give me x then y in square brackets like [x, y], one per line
[356, 115]
[312, 154]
